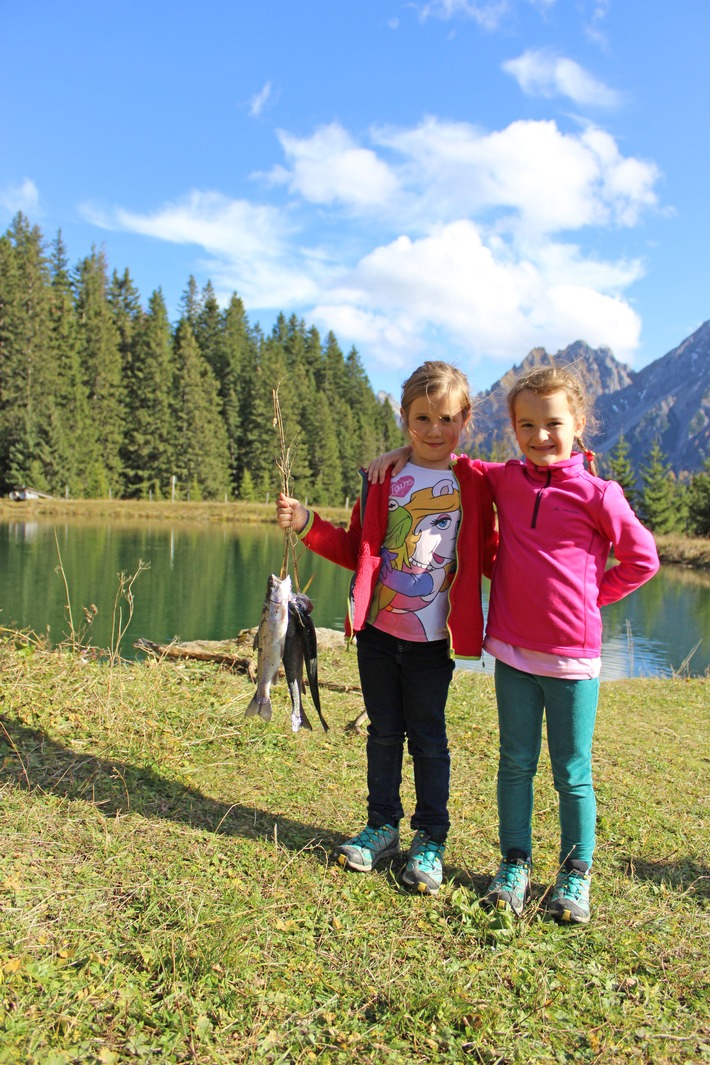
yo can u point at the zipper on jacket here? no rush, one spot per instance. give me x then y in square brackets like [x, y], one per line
[538, 499]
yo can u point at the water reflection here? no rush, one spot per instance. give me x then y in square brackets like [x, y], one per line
[207, 582]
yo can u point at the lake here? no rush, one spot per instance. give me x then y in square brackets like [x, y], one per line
[206, 582]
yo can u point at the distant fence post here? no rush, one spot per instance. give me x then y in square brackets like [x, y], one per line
[172, 487]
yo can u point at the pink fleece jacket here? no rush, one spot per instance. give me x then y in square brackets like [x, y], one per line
[557, 526]
[358, 548]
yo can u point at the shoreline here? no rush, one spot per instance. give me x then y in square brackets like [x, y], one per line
[676, 550]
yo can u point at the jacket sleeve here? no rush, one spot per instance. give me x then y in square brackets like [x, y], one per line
[486, 511]
[634, 547]
[489, 527]
[333, 542]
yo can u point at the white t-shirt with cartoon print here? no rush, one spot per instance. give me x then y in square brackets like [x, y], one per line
[411, 598]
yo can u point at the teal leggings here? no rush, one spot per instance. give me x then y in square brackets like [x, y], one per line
[570, 707]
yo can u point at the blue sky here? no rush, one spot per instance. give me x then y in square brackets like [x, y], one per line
[458, 179]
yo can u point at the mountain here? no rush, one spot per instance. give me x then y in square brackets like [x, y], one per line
[668, 399]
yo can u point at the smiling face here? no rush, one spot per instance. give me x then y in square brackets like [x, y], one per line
[434, 425]
[545, 426]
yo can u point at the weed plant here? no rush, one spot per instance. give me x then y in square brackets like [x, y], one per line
[168, 895]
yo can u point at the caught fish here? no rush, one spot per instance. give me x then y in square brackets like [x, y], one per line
[269, 644]
[300, 607]
[293, 660]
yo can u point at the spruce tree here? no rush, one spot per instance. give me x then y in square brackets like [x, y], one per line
[102, 370]
[28, 373]
[201, 454]
[699, 502]
[150, 438]
[74, 439]
[622, 471]
[659, 498]
[261, 445]
[240, 353]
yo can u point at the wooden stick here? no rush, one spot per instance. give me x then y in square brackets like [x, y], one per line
[283, 464]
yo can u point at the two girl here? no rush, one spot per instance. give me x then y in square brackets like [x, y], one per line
[418, 544]
[557, 525]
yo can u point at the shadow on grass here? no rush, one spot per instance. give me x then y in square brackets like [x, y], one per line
[684, 876]
[32, 760]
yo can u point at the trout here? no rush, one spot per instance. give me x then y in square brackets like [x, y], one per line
[269, 644]
[301, 648]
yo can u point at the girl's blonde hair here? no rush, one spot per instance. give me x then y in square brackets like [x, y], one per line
[434, 380]
[543, 381]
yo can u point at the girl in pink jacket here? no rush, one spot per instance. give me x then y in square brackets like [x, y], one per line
[557, 525]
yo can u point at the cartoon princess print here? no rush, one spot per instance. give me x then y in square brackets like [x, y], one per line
[418, 558]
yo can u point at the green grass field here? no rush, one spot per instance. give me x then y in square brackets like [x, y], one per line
[167, 892]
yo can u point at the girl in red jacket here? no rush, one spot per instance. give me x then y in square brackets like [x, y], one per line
[557, 525]
[418, 544]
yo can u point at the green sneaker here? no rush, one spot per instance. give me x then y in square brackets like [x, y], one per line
[369, 847]
[570, 899]
[510, 887]
[424, 868]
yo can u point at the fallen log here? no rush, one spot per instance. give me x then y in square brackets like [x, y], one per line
[231, 653]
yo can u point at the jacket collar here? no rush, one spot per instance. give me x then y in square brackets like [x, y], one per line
[571, 467]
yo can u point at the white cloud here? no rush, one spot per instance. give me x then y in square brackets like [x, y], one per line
[487, 13]
[260, 100]
[330, 167]
[24, 197]
[443, 239]
[250, 245]
[540, 72]
[451, 289]
[530, 176]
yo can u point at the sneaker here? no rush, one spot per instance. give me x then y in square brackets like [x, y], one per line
[570, 899]
[510, 887]
[369, 847]
[424, 868]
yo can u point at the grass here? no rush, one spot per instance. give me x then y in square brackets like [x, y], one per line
[167, 892]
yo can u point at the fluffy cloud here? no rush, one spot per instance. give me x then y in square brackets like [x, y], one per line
[443, 238]
[330, 167]
[542, 73]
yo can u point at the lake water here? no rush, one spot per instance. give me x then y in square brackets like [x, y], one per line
[207, 582]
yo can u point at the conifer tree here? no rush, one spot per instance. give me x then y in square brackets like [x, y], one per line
[28, 378]
[660, 498]
[699, 502]
[260, 450]
[622, 471]
[74, 439]
[201, 453]
[240, 354]
[102, 370]
[150, 438]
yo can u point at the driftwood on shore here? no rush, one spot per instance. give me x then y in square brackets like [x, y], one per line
[238, 655]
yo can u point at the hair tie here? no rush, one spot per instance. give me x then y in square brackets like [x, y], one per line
[589, 456]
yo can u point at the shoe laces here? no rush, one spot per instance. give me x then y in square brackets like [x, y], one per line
[426, 851]
[573, 884]
[373, 838]
[511, 875]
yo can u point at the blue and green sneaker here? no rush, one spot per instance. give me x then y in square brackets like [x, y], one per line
[510, 887]
[424, 868]
[570, 898]
[369, 847]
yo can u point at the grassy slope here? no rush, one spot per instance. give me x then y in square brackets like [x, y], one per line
[167, 894]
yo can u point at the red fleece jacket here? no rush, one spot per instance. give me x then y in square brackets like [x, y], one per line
[358, 548]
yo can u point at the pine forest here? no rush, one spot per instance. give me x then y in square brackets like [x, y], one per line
[101, 396]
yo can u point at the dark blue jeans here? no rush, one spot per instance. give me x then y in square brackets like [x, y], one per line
[404, 687]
